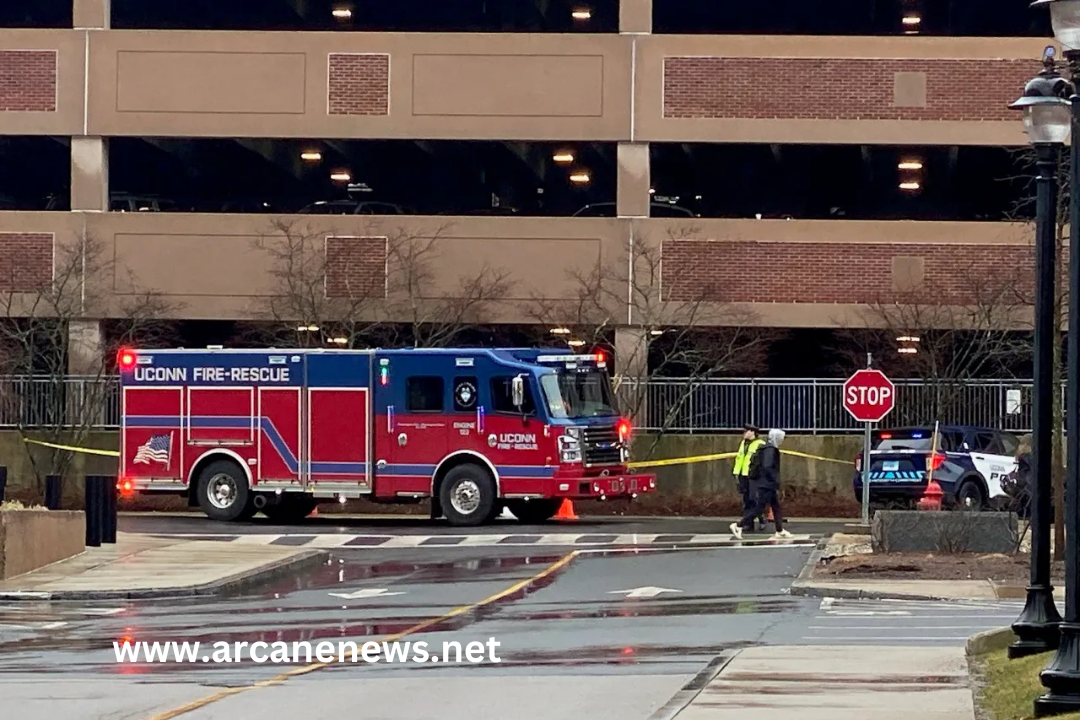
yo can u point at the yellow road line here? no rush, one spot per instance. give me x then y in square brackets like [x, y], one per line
[419, 627]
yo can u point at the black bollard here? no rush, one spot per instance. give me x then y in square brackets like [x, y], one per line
[3, 482]
[52, 492]
[108, 527]
[94, 504]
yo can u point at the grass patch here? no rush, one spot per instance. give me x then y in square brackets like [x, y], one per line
[1011, 686]
[16, 505]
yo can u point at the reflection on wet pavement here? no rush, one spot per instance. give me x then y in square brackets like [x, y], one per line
[539, 624]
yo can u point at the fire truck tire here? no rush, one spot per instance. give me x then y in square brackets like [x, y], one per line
[467, 495]
[290, 509]
[223, 492]
[533, 511]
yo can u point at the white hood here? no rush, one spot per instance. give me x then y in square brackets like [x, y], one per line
[776, 437]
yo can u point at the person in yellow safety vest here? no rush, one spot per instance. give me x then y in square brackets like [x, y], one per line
[750, 444]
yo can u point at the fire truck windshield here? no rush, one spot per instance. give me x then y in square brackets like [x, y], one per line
[582, 394]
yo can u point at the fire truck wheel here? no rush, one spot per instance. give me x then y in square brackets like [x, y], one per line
[223, 491]
[467, 495]
[533, 511]
[289, 509]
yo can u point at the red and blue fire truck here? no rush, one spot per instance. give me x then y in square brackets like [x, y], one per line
[278, 431]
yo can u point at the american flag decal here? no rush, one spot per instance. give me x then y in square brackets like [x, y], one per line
[156, 449]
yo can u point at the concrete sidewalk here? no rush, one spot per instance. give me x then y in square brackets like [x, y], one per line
[840, 545]
[838, 683]
[143, 566]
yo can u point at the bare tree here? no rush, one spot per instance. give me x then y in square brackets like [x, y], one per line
[376, 287]
[949, 333]
[687, 333]
[39, 348]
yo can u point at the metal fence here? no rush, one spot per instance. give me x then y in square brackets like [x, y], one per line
[816, 406]
[669, 405]
[32, 402]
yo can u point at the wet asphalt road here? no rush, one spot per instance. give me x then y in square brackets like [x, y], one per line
[575, 646]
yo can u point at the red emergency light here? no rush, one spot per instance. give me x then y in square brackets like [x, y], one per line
[126, 358]
[623, 428]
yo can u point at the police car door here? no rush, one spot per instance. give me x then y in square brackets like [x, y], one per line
[992, 460]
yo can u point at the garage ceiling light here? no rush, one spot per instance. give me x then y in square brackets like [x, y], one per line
[910, 165]
[912, 20]
[341, 13]
[580, 178]
[563, 157]
[575, 343]
[340, 176]
[909, 186]
[560, 331]
[311, 156]
[581, 14]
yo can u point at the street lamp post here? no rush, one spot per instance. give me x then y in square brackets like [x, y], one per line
[1046, 122]
[1062, 676]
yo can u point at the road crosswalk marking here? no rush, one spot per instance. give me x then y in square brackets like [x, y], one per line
[345, 541]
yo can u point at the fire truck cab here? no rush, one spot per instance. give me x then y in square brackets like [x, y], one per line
[278, 431]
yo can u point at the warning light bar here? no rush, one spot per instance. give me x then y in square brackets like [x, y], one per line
[586, 357]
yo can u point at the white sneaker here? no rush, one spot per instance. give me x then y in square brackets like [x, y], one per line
[782, 535]
[736, 530]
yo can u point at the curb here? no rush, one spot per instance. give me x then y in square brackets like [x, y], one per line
[693, 688]
[821, 590]
[240, 581]
[989, 641]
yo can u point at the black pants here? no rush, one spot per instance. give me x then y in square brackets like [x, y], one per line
[749, 502]
[763, 498]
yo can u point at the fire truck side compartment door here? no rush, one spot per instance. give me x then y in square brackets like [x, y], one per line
[338, 407]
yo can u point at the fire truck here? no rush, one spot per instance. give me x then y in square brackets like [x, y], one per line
[239, 432]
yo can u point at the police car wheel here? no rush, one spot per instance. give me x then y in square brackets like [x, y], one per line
[467, 495]
[223, 492]
[970, 496]
[533, 511]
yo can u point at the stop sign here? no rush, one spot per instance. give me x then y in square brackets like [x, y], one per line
[869, 395]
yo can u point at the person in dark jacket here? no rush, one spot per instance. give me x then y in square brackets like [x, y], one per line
[765, 478]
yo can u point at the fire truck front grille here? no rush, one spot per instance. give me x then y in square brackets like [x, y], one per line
[601, 446]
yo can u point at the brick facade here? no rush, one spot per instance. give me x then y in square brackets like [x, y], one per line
[356, 267]
[26, 261]
[359, 84]
[27, 81]
[806, 272]
[843, 88]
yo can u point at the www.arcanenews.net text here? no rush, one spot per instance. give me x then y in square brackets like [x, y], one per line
[283, 653]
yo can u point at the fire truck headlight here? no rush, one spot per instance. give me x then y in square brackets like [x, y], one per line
[569, 449]
[574, 432]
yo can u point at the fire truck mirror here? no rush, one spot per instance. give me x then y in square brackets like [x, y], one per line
[518, 391]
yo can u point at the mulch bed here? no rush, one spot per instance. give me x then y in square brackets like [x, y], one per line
[1011, 569]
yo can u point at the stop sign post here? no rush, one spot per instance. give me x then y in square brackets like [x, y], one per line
[868, 396]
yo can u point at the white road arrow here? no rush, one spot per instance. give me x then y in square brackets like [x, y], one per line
[641, 592]
[366, 593]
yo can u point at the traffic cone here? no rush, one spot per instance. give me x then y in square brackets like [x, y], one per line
[506, 514]
[314, 513]
[931, 498]
[566, 511]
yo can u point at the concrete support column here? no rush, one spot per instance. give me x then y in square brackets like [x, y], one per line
[635, 16]
[632, 193]
[632, 370]
[89, 174]
[86, 347]
[95, 14]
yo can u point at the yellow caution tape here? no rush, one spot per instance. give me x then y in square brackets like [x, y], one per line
[724, 456]
[88, 451]
[681, 461]
[634, 465]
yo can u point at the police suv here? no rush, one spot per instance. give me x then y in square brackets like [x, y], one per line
[970, 464]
